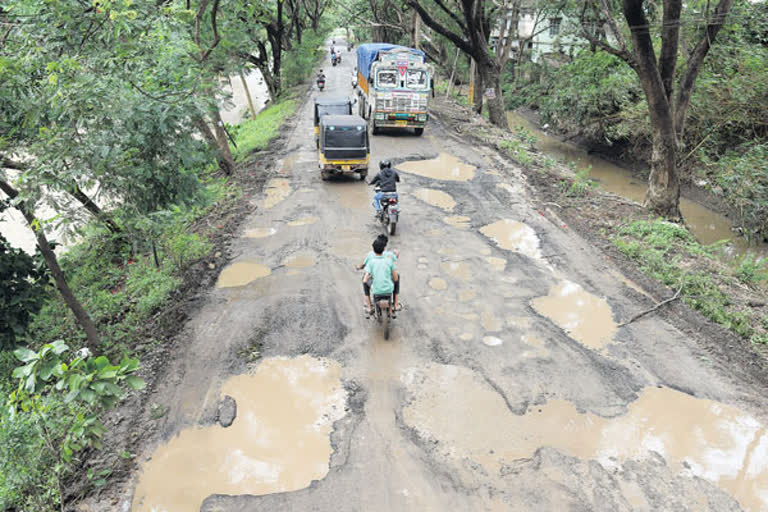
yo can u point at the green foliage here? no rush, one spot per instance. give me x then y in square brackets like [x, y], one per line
[741, 176]
[255, 134]
[52, 415]
[590, 95]
[579, 185]
[300, 61]
[752, 269]
[660, 247]
[23, 280]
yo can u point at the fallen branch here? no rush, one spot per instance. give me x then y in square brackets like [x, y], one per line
[654, 308]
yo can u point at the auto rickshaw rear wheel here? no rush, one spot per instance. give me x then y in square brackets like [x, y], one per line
[325, 175]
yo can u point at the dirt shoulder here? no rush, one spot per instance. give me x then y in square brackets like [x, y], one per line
[597, 217]
[131, 425]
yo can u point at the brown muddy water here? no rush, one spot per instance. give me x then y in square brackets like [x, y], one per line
[707, 225]
[584, 317]
[514, 236]
[284, 404]
[700, 438]
[242, 273]
[436, 198]
[277, 190]
[457, 221]
[445, 167]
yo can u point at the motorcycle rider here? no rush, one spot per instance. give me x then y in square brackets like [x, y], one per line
[320, 78]
[387, 178]
[392, 255]
[381, 269]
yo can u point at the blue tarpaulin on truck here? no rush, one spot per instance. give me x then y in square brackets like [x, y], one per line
[368, 53]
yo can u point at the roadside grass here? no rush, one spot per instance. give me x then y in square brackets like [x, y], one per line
[670, 254]
[255, 134]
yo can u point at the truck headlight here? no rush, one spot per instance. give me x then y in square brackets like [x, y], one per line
[380, 115]
[422, 117]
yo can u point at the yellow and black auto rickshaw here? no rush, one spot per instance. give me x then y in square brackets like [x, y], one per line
[330, 105]
[343, 146]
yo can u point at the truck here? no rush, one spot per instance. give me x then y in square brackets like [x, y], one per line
[393, 86]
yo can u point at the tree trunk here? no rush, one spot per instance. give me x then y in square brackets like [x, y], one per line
[477, 80]
[491, 77]
[247, 94]
[94, 209]
[223, 143]
[415, 30]
[663, 196]
[213, 143]
[70, 300]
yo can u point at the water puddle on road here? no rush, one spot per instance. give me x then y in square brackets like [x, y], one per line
[240, 274]
[700, 438]
[521, 322]
[436, 198]
[303, 221]
[259, 232]
[279, 441]
[492, 341]
[299, 261]
[444, 167]
[438, 284]
[277, 190]
[514, 236]
[584, 317]
[490, 322]
[457, 221]
[459, 270]
[467, 295]
[497, 264]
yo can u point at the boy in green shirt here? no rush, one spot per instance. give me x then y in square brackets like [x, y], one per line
[381, 268]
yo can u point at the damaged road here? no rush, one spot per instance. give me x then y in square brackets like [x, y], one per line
[507, 384]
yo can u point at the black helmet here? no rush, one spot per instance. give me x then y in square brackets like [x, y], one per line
[385, 163]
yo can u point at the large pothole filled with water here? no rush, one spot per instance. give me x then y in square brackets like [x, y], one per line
[278, 442]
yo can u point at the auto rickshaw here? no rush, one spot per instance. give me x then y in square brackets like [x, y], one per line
[325, 105]
[343, 146]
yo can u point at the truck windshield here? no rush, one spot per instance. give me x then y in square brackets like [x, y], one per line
[416, 79]
[386, 78]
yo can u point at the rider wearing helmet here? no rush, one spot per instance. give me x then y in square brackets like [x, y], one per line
[387, 178]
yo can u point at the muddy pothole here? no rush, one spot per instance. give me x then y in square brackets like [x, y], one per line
[279, 440]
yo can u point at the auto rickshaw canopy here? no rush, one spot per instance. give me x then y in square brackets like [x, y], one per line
[343, 137]
[332, 105]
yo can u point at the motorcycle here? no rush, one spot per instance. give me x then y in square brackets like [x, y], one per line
[382, 306]
[390, 211]
[321, 83]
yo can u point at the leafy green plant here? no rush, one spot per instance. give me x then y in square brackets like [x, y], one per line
[64, 399]
[752, 269]
[579, 185]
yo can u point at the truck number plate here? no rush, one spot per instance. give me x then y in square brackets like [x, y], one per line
[401, 122]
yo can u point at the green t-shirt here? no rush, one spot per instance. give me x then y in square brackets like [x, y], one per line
[388, 254]
[380, 268]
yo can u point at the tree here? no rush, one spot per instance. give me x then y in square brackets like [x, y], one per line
[45, 248]
[467, 25]
[667, 90]
[23, 280]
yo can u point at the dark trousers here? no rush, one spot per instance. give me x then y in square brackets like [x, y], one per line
[367, 287]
